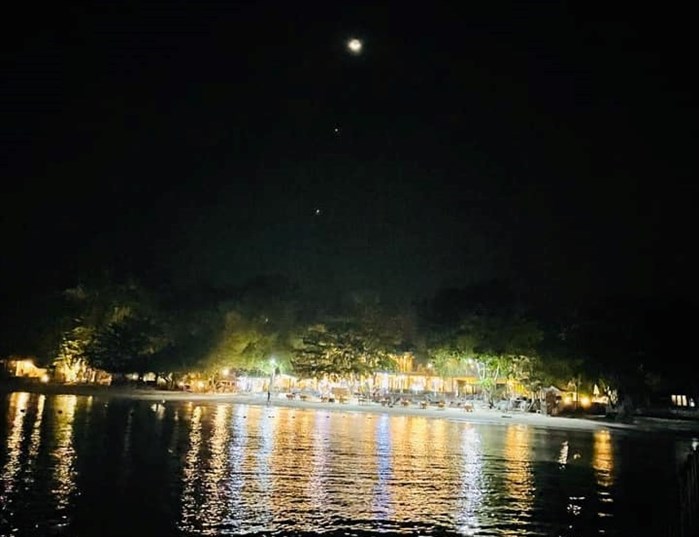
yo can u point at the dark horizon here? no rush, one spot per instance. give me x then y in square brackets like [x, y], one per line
[198, 144]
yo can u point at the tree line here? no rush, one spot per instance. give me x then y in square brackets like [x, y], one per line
[638, 348]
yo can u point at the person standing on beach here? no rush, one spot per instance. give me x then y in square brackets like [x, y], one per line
[269, 396]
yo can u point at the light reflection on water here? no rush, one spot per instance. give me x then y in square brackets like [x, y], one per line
[469, 494]
[12, 467]
[603, 465]
[519, 484]
[237, 451]
[603, 459]
[214, 496]
[63, 451]
[236, 469]
[191, 474]
[381, 497]
[35, 439]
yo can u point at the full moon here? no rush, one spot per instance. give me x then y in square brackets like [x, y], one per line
[354, 45]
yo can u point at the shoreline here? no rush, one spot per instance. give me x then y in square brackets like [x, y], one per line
[477, 416]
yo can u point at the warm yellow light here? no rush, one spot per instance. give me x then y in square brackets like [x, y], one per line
[44, 378]
[585, 401]
[225, 371]
[567, 400]
[200, 384]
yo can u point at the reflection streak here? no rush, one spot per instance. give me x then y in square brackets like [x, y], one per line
[317, 491]
[12, 466]
[603, 465]
[471, 493]
[64, 451]
[518, 477]
[190, 474]
[237, 477]
[35, 440]
[213, 509]
[381, 498]
[519, 482]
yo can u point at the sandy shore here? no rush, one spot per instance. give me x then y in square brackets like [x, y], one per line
[485, 416]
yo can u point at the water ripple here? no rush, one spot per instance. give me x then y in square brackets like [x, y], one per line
[75, 466]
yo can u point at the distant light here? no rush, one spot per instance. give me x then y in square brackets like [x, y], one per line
[317, 212]
[355, 46]
[44, 378]
[225, 371]
[585, 401]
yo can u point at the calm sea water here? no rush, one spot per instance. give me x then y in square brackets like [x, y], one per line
[86, 466]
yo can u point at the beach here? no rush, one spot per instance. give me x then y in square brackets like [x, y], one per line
[478, 415]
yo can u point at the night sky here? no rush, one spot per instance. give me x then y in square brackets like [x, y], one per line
[199, 144]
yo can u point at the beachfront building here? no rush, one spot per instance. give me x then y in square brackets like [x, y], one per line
[408, 378]
[23, 367]
[426, 382]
